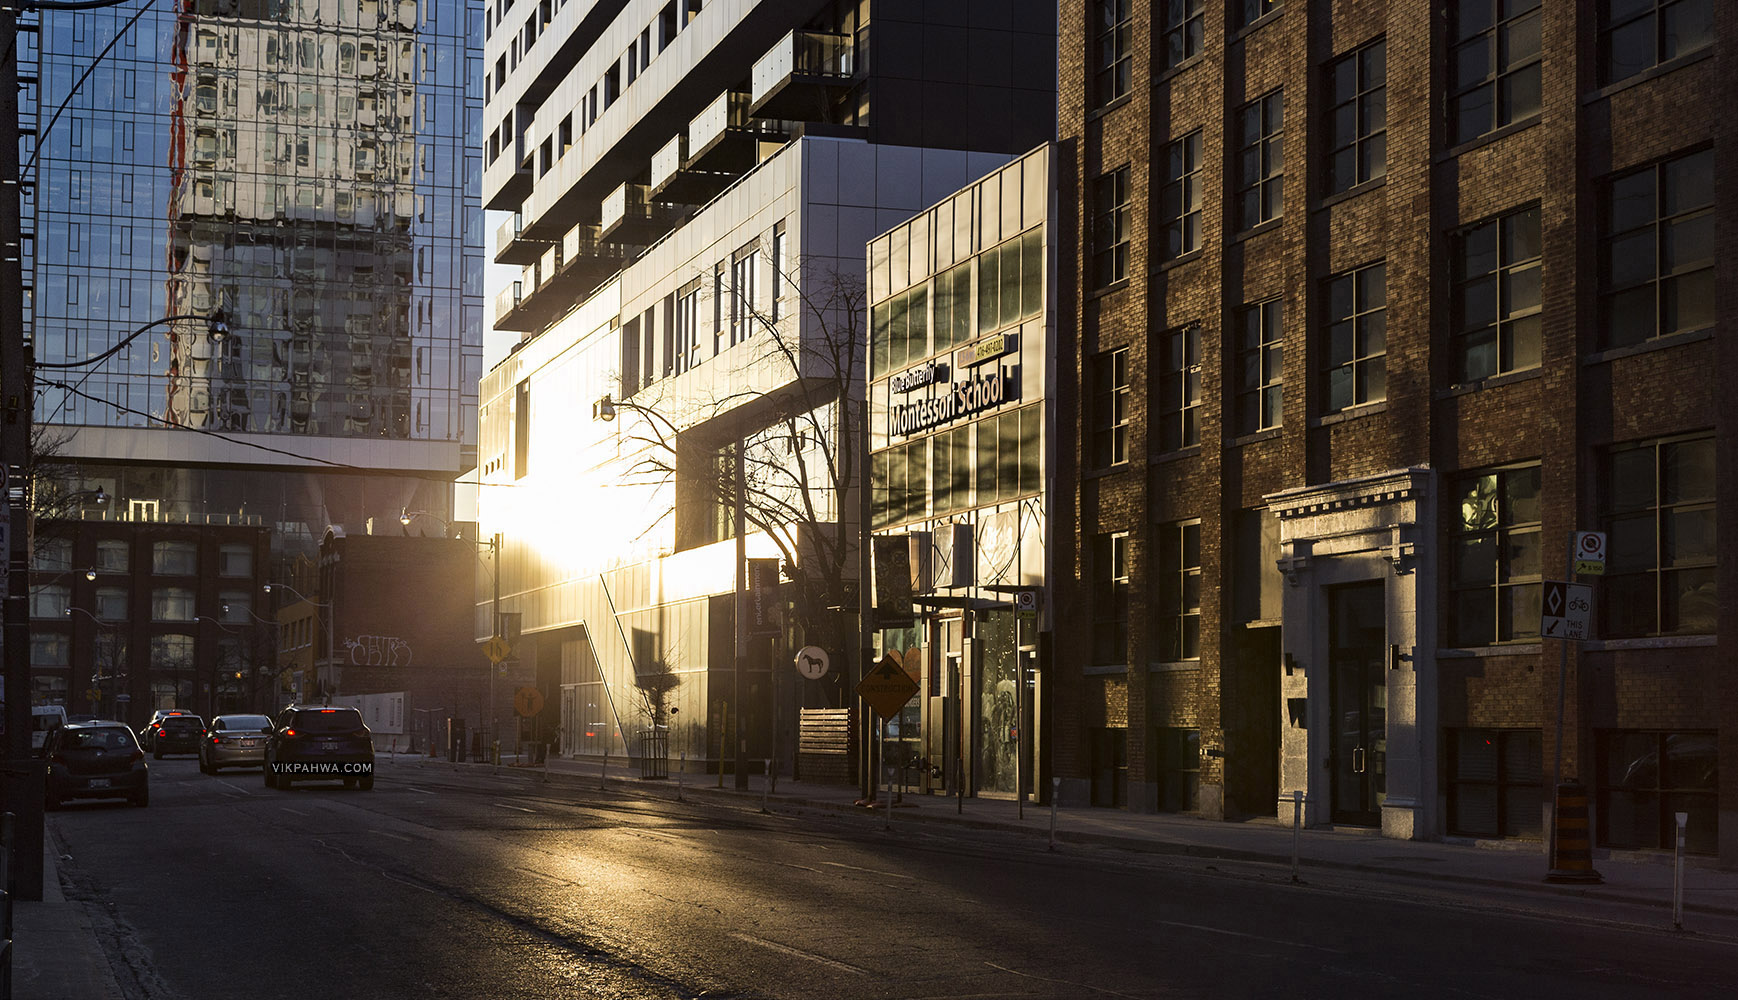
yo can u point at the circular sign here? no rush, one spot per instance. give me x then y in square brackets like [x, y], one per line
[527, 701]
[812, 662]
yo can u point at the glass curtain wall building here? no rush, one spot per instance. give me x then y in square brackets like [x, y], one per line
[309, 168]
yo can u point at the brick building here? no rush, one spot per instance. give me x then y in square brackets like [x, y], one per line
[1369, 308]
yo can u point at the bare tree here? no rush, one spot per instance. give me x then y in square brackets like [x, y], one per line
[801, 445]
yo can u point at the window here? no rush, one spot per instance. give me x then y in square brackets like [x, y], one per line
[687, 326]
[1356, 357]
[1657, 251]
[1110, 229]
[1260, 363]
[1660, 528]
[1011, 281]
[780, 246]
[1647, 777]
[50, 601]
[1007, 455]
[899, 330]
[1179, 765]
[1112, 79]
[744, 292]
[174, 558]
[111, 604]
[1493, 66]
[1110, 598]
[1358, 118]
[1495, 782]
[522, 429]
[1250, 11]
[950, 462]
[1496, 296]
[1177, 582]
[1179, 397]
[235, 606]
[1637, 35]
[235, 560]
[172, 604]
[900, 487]
[1494, 553]
[953, 306]
[50, 649]
[113, 556]
[1110, 409]
[171, 652]
[1182, 28]
[52, 555]
[1260, 162]
[1180, 201]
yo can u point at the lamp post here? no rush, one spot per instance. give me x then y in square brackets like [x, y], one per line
[258, 671]
[405, 517]
[327, 612]
[605, 409]
[112, 675]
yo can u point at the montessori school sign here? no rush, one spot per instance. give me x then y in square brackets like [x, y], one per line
[963, 398]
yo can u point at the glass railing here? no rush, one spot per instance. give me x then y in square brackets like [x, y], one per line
[667, 161]
[803, 53]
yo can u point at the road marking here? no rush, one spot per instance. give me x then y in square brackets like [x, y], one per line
[799, 953]
[1059, 982]
[394, 836]
[287, 809]
[805, 868]
[1252, 937]
[871, 871]
[522, 809]
[235, 788]
[413, 885]
[413, 788]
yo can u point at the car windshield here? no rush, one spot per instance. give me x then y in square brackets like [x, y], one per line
[329, 720]
[108, 738]
[231, 723]
[181, 722]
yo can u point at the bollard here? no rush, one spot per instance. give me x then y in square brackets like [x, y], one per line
[1296, 822]
[1678, 875]
[1055, 792]
[603, 771]
[766, 786]
[959, 781]
[1572, 851]
[679, 775]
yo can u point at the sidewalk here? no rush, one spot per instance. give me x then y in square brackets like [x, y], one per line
[55, 951]
[1633, 877]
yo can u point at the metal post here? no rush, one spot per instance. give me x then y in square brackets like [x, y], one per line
[888, 824]
[1296, 823]
[679, 775]
[603, 771]
[1019, 730]
[1055, 793]
[741, 744]
[494, 668]
[1562, 686]
[1678, 874]
[766, 786]
[863, 737]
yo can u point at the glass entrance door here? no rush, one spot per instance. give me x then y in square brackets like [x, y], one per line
[1358, 696]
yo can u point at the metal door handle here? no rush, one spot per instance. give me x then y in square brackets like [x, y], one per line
[1358, 760]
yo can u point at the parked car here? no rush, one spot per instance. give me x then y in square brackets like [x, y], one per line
[234, 741]
[320, 743]
[148, 732]
[178, 734]
[44, 719]
[95, 760]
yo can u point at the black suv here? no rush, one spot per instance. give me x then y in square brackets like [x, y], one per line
[95, 760]
[177, 734]
[319, 743]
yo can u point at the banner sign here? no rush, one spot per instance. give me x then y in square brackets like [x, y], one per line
[763, 584]
[962, 399]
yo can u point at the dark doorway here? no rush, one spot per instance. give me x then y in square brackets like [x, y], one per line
[1358, 696]
[1110, 766]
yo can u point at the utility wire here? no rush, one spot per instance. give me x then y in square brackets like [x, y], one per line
[42, 134]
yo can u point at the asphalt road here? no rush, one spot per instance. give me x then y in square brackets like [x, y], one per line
[467, 884]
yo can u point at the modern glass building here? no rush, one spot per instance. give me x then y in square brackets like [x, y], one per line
[309, 168]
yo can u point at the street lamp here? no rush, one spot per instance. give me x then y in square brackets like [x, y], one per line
[113, 674]
[327, 612]
[605, 409]
[405, 517]
[216, 327]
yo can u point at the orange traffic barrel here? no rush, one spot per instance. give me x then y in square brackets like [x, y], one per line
[1571, 838]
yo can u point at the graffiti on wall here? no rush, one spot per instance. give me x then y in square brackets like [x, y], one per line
[378, 651]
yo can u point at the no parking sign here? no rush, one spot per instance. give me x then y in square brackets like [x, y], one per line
[1590, 553]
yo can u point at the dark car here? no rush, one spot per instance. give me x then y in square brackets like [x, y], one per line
[178, 734]
[148, 732]
[95, 760]
[319, 743]
[234, 741]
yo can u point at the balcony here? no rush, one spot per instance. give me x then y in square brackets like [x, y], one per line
[512, 248]
[799, 78]
[723, 141]
[630, 216]
[566, 273]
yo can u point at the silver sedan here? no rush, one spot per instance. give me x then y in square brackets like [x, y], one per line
[234, 741]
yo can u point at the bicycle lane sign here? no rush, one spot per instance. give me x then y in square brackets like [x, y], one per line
[1565, 611]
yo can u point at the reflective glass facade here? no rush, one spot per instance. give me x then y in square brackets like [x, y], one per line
[308, 166]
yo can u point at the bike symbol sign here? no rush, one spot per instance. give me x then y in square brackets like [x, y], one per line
[1565, 611]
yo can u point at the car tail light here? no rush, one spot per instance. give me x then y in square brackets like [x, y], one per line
[291, 734]
[216, 738]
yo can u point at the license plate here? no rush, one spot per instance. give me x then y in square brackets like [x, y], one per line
[99, 782]
[250, 743]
